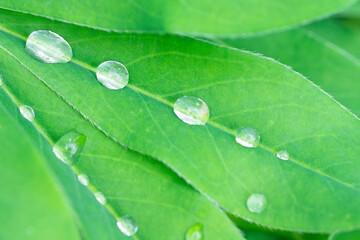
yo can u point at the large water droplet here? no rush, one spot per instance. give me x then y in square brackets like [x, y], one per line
[27, 112]
[247, 137]
[256, 203]
[112, 75]
[48, 47]
[127, 225]
[100, 198]
[195, 232]
[192, 110]
[69, 147]
[84, 179]
[283, 155]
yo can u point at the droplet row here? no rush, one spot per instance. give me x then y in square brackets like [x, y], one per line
[69, 147]
[49, 47]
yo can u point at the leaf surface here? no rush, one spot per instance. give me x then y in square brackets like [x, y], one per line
[163, 205]
[241, 89]
[346, 236]
[226, 17]
[327, 52]
[352, 12]
[31, 205]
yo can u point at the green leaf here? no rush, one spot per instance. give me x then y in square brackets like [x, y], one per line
[327, 52]
[352, 12]
[226, 17]
[163, 205]
[241, 89]
[354, 235]
[252, 231]
[29, 199]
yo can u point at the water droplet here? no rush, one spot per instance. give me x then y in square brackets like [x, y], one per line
[112, 75]
[192, 110]
[83, 179]
[69, 147]
[127, 225]
[100, 198]
[283, 155]
[48, 47]
[27, 112]
[247, 137]
[195, 232]
[1, 80]
[256, 203]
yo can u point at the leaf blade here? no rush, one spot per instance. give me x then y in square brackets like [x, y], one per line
[29, 196]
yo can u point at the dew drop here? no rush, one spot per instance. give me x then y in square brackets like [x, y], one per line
[1, 80]
[100, 198]
[127, 225]
[112, 75]
[48, 47]
[69, 147]
[256, 203]
[84, 179]
[283, 155]
[27, 112]
[195, 232]
[247, 137]
[192, 110]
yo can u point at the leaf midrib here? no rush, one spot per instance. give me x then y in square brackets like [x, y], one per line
[168, 103]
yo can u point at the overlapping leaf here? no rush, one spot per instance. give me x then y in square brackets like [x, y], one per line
[229, 17]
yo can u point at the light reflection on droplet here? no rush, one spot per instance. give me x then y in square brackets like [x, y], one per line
[283, 155]
[100, 198]
[247, 137]
[48, 47]
[127, 225]
[68, 148]
[112, 75]
[256, 203]
[27, 112]
[192, 110]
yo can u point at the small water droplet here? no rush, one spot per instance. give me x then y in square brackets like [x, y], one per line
[27, 112]
[1, 80]
[247, 137]
[84, 179]
[256, 203]
[48, 47]
[112, 75]
[127, 225]
[283, 155]
[192, 110]
[100, 198]
[69, 147]
[195, 232]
